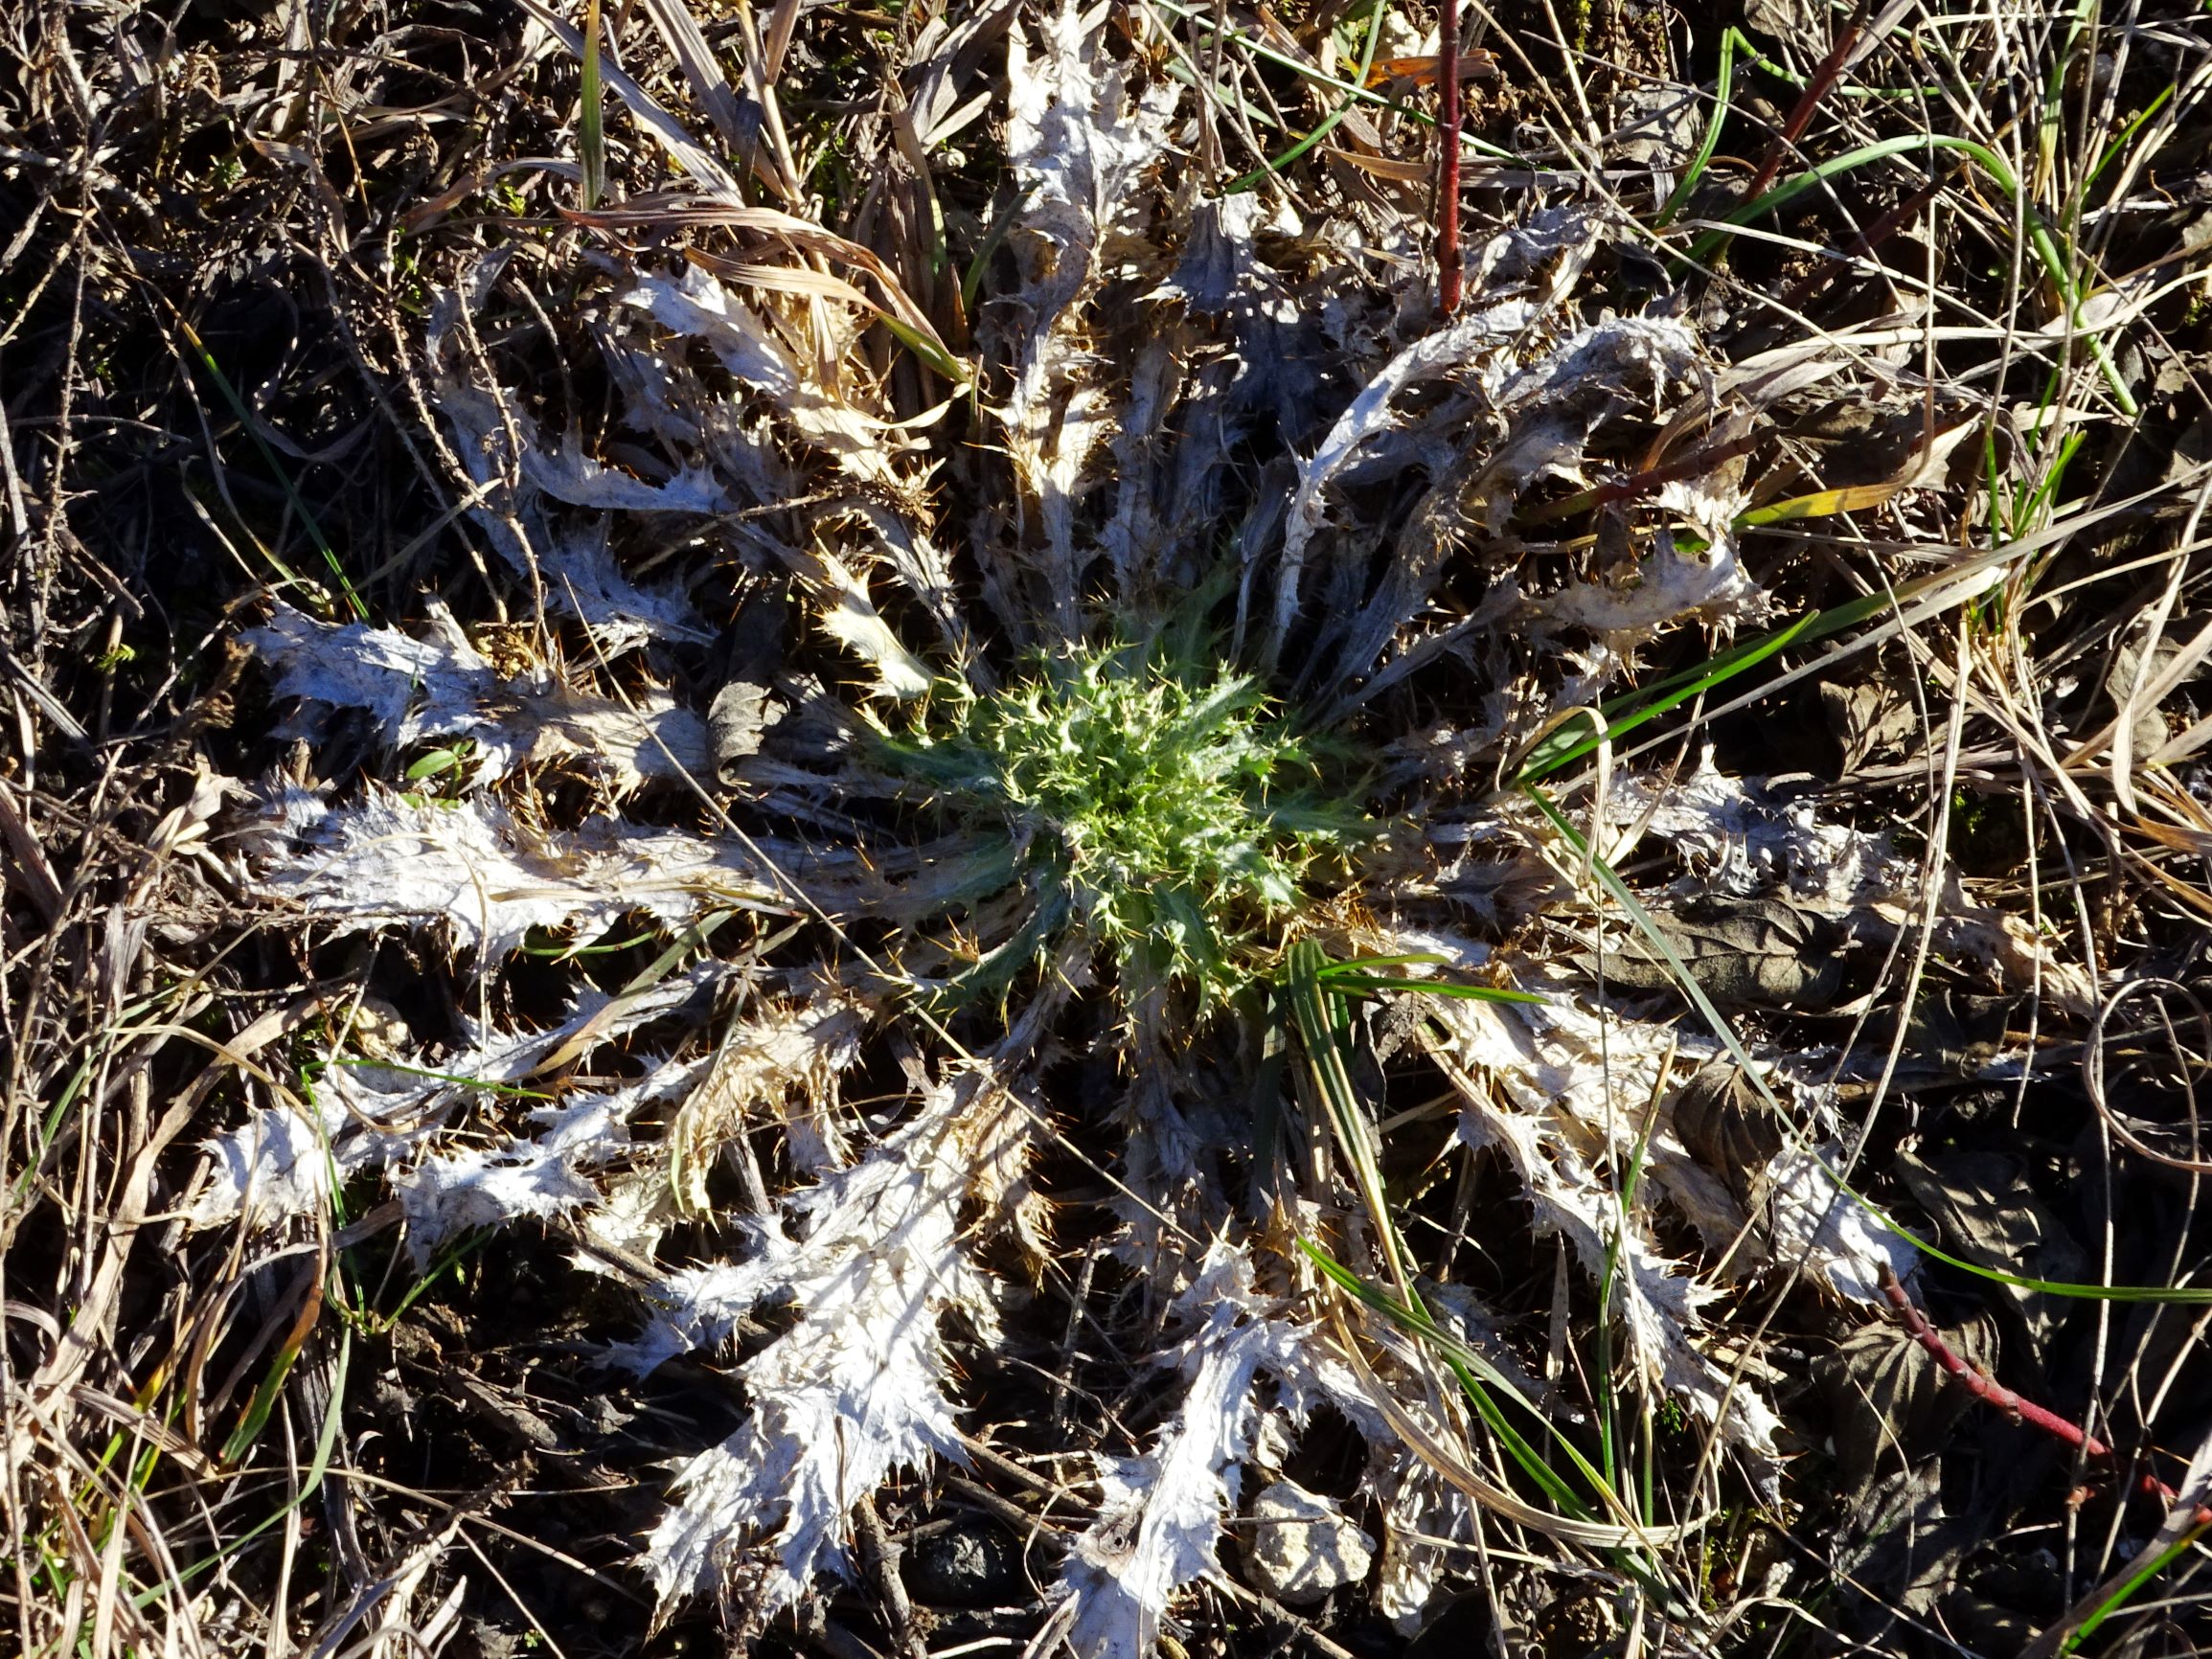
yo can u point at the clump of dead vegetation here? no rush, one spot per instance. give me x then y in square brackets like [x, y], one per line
[902, 829]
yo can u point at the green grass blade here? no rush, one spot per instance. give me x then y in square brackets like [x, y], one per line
[2135, 1582]
[1357, 92]
[2127, 135]
[1563, 748]
[1376, 984]
[1328, 122]
[318, 1466]
[928, 349]
[515, 1091]
[1604, 1392]
[1319, 1035]
[693, 938]
[1477, 1377]
[1679, 196]
[1820, 504]
[1632, 708]
[971, 285]
[592, 119]
[1362, 963]
[2062, 276]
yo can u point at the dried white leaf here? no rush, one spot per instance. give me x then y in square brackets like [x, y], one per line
[1740, 840]
[1423, 1516]
[1218, 269]
[695, 306]
[276, 1165]
[1466, 344]
[1518, 278]
[1664, 587]
[568, 474]
[1554, 404]
[854, 1390]
[1815, 1223]
[1167, 494]
[1081, 149]
[414, 688]
[1536, 1084]
[442, 686]
[1159, 1519]
[503, 456]
[781, 1052]
[393, 859]
[850, 616]
[921, 569]
[446, 1196]
[633, 1218]
[691, 1308]
[1173, 1187]
[541, 1174]
[583, 580]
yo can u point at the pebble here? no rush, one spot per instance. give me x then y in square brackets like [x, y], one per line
[1301, 1546]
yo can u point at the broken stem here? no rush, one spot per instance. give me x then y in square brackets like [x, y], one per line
[1448, 271]
[1987, 1389]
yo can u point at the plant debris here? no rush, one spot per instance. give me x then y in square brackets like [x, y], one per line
[945, 838]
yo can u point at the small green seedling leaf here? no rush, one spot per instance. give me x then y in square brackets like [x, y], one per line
[440, 762]
[1820, 504]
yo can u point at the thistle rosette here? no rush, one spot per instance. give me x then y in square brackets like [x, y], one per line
[1159, 802]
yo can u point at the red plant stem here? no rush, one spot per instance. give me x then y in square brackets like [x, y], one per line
[1695, 465]
[1986, 1388]
[1822, 80]
[1448, 269]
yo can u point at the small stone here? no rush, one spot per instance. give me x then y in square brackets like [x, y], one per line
[378, 1031]
[1301, 1546]
[971, 1563]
